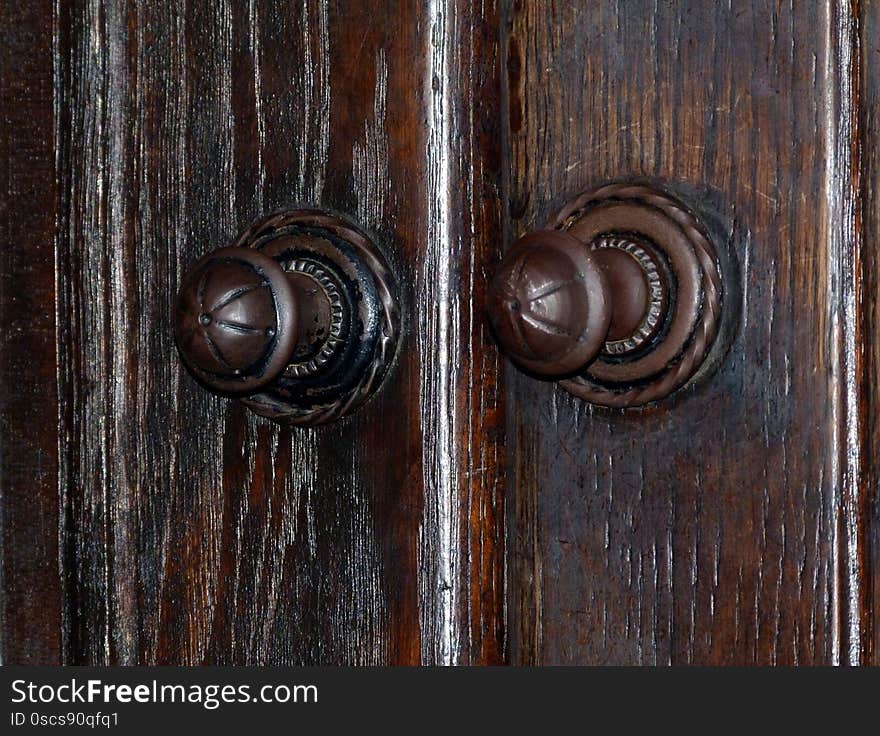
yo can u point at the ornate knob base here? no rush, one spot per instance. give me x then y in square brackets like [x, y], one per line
[620, 299]
[683, 297]
[349, 321]
[298, 319]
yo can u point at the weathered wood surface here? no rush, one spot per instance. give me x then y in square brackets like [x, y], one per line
[145, 521]
[193, 532]
[734, 524]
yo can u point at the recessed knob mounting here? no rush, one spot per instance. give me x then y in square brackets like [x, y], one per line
[619, 299]
[298, 319]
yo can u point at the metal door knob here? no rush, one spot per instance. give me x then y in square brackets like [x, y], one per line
[298, 319]
[619, 299]
[238, 319]
[553, 307]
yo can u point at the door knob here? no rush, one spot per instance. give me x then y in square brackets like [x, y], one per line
[553, 306]
[619, 298]
[298, 319]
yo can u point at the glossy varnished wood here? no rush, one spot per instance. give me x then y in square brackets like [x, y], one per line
[145, 521]
[192, 531]
[734, 523]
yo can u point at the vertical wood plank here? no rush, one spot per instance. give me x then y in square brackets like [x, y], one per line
[461, 555]
[195, 532]
[869, 165]
[729, 525]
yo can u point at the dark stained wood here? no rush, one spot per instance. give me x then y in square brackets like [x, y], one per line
[195, 532]
[146, 521]
[868, 118]
[463, 417]
[30, 614]
[733, 524]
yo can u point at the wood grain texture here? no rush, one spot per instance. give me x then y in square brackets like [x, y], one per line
[30, 614]
[732, 524]
[194, 532]
[145, 521]
[462, 417]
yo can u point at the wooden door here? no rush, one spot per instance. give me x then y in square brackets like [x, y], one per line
[734, 524]
[467, 513]
[172, 526]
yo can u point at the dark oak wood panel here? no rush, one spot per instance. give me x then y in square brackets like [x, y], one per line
[194, 532]
[733, 524]
[30, 615]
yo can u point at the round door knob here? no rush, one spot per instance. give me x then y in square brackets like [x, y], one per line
[619, 299]
[236, 320]
[298, 319]
[550, 304]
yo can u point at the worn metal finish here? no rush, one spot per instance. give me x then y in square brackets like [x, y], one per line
[683, 252]
[622, 300]
[236, 320]
[364, 316]
[550, 304]
[642, 291]
[299, 318]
